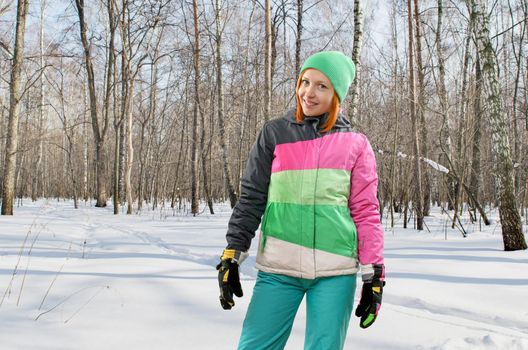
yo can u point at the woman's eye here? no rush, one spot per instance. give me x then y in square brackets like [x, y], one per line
[322, 87]
[305, 82]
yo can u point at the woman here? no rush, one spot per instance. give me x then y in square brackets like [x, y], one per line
[315, 181]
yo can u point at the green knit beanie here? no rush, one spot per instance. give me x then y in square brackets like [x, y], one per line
[336, 66]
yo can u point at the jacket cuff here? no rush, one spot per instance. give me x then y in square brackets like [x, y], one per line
[370, 272]
[234, 255]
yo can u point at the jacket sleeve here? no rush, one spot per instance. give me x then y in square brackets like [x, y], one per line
[364, 207]
[248, 211]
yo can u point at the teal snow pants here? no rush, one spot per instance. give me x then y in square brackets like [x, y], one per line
[276, 298]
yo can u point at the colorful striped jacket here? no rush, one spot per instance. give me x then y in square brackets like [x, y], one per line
[318, 196]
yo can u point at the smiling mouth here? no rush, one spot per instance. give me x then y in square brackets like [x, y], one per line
[310, 104]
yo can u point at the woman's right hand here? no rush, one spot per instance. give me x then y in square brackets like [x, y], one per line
[229, 277]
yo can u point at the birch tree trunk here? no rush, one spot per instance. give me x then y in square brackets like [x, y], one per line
[85, 145]
[69, 133]
[205, 172]
[37, 176]
[298, 38]
[418, 199]
[509, 215]
[99, 135]
[426, 185]
[117, 172]
[267, 62]
[460, 161]
[149, 117]
[518, 55]
[194, 151]
[110, 88]
[8, 185]
[445, 134]
[356, 57]
[395, 99]
[130, 149]
[221, 117]
[127, 93]
[474, 180]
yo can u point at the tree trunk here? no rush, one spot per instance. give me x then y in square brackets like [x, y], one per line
[220, 100]
[426, 188]
[109, 90]
[418, 199]
[445, 133]
[195, 190]
[150, 117]
[474, 180]
[130, 149]
[117, 173]
[99, 135]
[8, 185]
[267, 62]
[516, 137]
[85, 146]
[205, 171]
[356, 57]
[37, 176]
[459, 164]
[73, 177]
[298, 38]
[509, 215]
[395, 99]
[127, 93]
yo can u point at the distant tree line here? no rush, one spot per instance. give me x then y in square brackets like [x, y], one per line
[157, 103]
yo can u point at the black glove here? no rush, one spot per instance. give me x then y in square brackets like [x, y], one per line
[371, 293]
[228, 277]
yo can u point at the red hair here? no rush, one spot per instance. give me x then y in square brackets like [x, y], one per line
[332, 113]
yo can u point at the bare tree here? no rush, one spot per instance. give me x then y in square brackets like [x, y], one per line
[356, 57]
[267, 61]
[418, 199]
[37, 171]
[395, 100]
[298, 36]
[194, 152]
[109, 91]
[426, 184]
[474, 180]
[445, 131]
[509, 215]
[8, 184]
[136, 44]
[99, 134]
[221, 113]
[68, 128]
[517, 52]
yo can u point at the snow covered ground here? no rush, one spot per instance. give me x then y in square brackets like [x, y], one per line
[86, 279]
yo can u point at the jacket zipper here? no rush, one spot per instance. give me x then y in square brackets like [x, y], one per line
[318, 147]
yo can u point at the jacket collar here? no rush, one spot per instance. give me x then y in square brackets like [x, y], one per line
[341, 122]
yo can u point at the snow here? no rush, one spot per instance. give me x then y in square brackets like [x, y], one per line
[148, 281]
[401, 155]
[435, 165]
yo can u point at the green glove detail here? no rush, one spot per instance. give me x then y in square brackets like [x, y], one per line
[371, 296]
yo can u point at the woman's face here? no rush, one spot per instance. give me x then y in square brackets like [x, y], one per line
[315, 93]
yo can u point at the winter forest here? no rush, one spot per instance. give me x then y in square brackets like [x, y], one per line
[150, 103]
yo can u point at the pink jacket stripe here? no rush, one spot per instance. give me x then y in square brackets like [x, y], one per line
[303, 155]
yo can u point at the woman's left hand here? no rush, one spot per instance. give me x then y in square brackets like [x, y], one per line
[371, 296]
